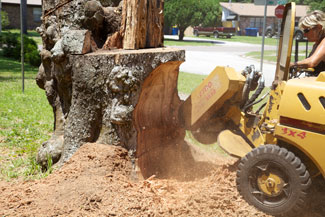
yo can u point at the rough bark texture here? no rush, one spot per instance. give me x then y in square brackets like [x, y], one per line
[105, 90]
[107, 95]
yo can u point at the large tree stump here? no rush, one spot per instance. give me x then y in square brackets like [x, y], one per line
[106, 95]
[109, 85]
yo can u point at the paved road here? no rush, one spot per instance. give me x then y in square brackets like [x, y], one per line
[203, 59]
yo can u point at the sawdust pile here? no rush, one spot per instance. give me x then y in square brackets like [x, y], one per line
[97, 181]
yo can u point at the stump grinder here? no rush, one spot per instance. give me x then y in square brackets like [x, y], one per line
[282, 148]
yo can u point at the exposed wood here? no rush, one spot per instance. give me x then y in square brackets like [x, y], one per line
[142, 24]
[114, 41]
[156, 120]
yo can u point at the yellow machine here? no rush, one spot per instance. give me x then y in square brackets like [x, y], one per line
[281, 148]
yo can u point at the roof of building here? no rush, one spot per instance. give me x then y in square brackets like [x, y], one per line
[29, 2]
[249, 9]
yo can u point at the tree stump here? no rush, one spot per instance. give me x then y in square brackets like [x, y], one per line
[103, 94]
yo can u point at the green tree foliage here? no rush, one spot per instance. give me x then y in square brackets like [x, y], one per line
[4, 19]
[185, 13]
[10, 43]
[315, 4]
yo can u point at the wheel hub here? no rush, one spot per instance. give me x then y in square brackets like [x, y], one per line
[270, 184]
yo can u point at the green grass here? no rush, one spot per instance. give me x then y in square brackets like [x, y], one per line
[26, 121]
[244, 39]
[187, 82]
[171, 42]
[271, 55]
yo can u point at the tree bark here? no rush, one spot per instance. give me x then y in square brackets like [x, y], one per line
[121, 97]
[181, 34]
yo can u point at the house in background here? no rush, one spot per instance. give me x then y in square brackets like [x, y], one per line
[34, 13]
[248, 15]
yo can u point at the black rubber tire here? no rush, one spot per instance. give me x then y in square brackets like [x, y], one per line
[292, 198]
[216, 35]
[196, 33]
[299, 35]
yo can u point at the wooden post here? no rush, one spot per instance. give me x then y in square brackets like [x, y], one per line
[142, 24]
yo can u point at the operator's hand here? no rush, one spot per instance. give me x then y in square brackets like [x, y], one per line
[293, 65]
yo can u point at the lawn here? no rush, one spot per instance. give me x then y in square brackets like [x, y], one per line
[26, 121]
[243, 39]
[271, 55]
[171, 42]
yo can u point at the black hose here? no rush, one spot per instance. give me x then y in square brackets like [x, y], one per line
[260, 108]
[247, 86]
[246, 107]
[261, 85]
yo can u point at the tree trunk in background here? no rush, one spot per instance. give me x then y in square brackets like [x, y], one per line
[112, 96]
[181, 34]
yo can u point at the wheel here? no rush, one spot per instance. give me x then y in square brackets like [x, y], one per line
[196, 33]
[216, 35]
[228, 36]
[274, 180]
[299, 35]
[268, 33]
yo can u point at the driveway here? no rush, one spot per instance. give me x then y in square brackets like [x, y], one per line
[203, 59]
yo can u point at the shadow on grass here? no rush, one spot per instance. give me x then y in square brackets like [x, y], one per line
[10, 70]
[26, 77]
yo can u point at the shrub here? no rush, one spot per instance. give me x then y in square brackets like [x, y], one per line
[12, 48]
[4, 19]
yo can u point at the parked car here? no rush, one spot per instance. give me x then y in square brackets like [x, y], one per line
[272, 30]
[215, 31]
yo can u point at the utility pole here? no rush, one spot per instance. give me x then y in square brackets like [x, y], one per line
[22, 43]
[0, 17]
[23, 6]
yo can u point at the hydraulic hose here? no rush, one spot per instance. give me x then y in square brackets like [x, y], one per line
[250, 102]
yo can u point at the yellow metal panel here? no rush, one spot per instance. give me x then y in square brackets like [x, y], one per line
[233, 144]
[253, 134]
[292, 107]
[321, 77]
[219, 86]
[312, 144]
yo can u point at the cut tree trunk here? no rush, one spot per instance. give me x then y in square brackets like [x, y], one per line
[112, 96]
[124, 98]
[142, 24]
[156, 119]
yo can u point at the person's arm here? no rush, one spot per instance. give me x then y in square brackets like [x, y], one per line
[313, 60]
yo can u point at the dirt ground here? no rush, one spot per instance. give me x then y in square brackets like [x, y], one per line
[98, 181]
